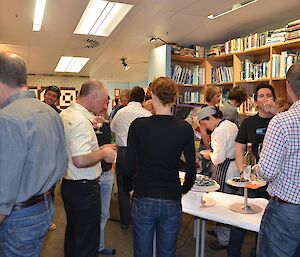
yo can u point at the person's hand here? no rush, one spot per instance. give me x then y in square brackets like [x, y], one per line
[113, 146]
[98, 121]
[109, 153]
[270, 106]
[206, 154]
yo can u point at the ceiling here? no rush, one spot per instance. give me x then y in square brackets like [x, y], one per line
[182, 21]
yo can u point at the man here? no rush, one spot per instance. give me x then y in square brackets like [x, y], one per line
[28, 169]
[51, 96]
[252, 130]
[106, 182]
[80, 188]
[124, 97]
[279, 234]
[120, 126]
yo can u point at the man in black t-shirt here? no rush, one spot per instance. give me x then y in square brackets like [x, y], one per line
[252, 130]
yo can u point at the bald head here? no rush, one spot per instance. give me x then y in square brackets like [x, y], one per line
[13, 72]
[93, 96]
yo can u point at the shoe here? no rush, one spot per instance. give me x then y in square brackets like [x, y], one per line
[107, 251]
[124, 226]
[217, 246]
[52, 227]
[211, 232]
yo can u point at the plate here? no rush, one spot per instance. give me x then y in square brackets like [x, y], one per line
[231, 182]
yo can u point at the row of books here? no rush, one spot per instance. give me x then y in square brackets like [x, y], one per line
[248, 106]
[190, 97]
[248, 42]
[251, 70]
[221, 74]
[282, 62]
[194, 75]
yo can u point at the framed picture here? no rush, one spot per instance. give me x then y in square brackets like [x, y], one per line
[117, 92]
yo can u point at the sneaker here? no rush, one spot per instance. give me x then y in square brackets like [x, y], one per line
[52, 227]
[211, 232]
[107, 251]
[217, 246]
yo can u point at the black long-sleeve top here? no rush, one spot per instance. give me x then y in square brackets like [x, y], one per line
[154, 147]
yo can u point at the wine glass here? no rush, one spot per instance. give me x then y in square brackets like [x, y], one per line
[98, 123]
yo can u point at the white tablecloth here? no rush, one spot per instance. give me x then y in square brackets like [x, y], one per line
[221, 212]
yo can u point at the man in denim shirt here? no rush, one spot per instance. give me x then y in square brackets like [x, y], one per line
[28, 169]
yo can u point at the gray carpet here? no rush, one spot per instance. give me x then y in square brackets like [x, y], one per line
[122, 239]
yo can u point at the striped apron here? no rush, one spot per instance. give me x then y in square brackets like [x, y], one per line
[221, 173]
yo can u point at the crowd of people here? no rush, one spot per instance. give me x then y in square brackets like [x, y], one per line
[84, 144]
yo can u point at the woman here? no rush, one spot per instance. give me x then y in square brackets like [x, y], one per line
[154, 148]
[222, 155]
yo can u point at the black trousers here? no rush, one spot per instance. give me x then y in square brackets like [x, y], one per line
[82, 206]
[123, 196]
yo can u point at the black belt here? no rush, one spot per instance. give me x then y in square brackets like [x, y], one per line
[122, 147]
[81, 181]
[276, 199]
[32, 201]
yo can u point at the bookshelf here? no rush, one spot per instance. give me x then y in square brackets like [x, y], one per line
[248, 68]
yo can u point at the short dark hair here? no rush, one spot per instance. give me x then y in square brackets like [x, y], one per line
[264, 85]
[53, 88]
[137, 94]
[293, 78]
[13, 71]
[238, 94]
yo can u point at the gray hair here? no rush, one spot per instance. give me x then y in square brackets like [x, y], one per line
[13, 71]
[293, 77]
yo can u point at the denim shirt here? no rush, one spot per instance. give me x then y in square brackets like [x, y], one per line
[33, 153]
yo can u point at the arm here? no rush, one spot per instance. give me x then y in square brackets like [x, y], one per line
[219, 141]
[106, 153]
[239, 155]
[205, 137]
[189, 154]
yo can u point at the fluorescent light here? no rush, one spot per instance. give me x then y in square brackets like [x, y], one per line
[71, 64]
[233, 8]
[38, 14]
[100, 17]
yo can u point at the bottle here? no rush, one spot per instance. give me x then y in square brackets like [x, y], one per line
[249, 161]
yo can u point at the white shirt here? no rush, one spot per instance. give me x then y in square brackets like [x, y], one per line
[223, 145]
[80, 139]
[123, 118]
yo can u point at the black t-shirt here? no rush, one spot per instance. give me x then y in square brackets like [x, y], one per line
[154, 147]
[103, 139]
[253, 131]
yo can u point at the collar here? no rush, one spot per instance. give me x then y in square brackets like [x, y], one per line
[19, 95]
[133, 103]
[295, 105]
[83, 110]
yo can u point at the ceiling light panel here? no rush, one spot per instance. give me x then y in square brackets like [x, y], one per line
[71, 64]
[38, 14]
[100, 17]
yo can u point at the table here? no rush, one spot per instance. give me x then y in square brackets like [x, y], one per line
[220, 213]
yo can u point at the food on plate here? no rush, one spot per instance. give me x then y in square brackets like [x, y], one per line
[202, 180]
[240, 180]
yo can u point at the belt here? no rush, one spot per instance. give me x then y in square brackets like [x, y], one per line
[276, 199]
[32, 201]
[81, 181]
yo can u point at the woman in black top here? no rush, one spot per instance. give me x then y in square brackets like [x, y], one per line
[154, 147]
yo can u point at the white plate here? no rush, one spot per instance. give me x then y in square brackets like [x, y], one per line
[236, 184]
[212, 188]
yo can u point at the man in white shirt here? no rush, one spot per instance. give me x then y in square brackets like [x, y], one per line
[80, 189]
[120, 126]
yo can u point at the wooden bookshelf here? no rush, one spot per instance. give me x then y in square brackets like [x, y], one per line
[258, 57]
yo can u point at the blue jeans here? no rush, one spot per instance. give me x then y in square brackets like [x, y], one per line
[279, 234]
[22, 232]
[160, 215]
[106, 183]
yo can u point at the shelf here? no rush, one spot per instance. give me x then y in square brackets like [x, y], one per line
[278, 79]
[255, 51]
[186, 59]
[189, 85]
[252, 81]
[224, 57]
[221, 84]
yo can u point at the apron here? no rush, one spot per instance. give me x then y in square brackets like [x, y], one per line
[221, 171]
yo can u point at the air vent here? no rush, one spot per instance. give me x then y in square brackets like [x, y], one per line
[90, 43]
